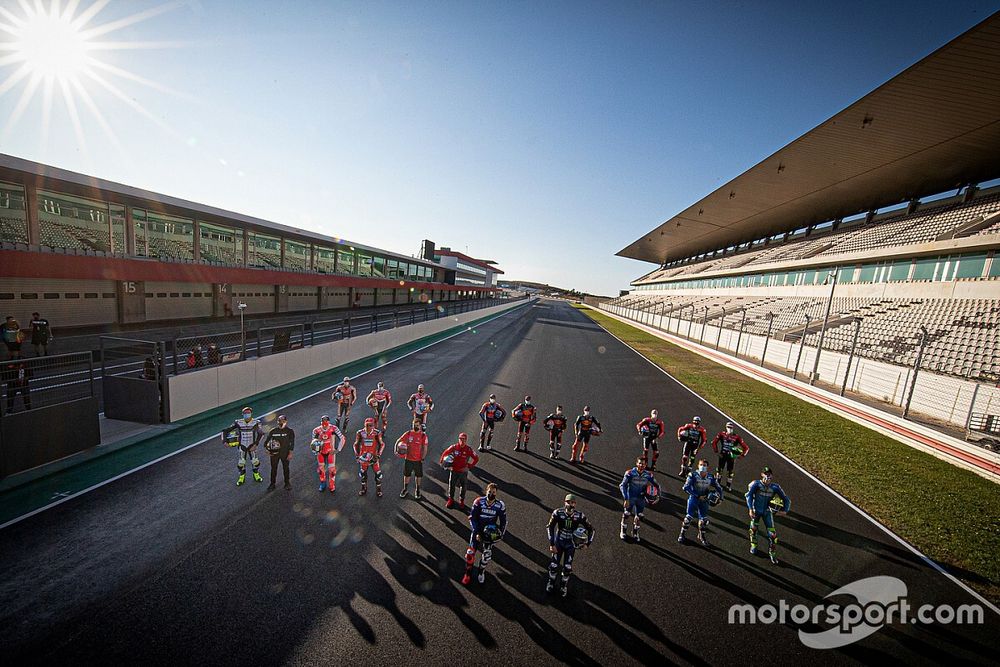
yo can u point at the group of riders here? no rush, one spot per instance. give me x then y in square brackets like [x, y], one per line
[568, 528]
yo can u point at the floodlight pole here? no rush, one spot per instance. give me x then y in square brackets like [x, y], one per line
[832, 276]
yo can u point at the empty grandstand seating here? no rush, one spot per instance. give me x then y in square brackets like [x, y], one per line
[963, 335]
[922, 226]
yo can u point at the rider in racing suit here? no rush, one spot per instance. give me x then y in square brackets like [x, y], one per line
[368, 446]
[491, 413]
[379, 400]
[331, 440]
[420, 405]
[699, 485]
[345, 394]
[651, 428]
[487, 512]
[250, 433]
[760, 503]
[633, 488]
[526, 414]
[729, 446]
[693, 437]
[586, 425]
[555, 424]
[562, 527]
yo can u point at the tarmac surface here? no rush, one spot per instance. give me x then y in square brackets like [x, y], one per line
[175, 564]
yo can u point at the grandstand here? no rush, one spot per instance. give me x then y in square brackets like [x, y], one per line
[887, 215]
[90, 252]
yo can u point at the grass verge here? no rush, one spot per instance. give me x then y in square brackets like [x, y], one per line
[948, 513]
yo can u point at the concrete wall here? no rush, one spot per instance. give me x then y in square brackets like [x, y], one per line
[200, 391]
[943, 397]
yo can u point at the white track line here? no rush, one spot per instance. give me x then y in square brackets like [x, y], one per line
[279, 409]
[823, 484]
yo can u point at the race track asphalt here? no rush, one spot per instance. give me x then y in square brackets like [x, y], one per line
[176, 565]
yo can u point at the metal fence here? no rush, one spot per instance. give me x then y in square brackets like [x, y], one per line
[133, 379]
[945, 382]
[190, 353]
[38, 382]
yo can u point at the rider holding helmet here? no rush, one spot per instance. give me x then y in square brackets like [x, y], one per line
[730, 446]
[651, 428]
[368, 446]
[638, 488]
[345, 394]
[379, 401]
[420, 404]
[693, 437]
[488, 521]
[327, 441]
[458, 459]
[246, 434]
[765, 498]
[492, 414]
[703, 490]
[568, 529]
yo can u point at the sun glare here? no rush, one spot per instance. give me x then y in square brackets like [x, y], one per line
[51, 46]
[56, 51]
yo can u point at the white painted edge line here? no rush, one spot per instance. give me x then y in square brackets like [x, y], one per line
[823, 484]
[838, 406]
[278, 409]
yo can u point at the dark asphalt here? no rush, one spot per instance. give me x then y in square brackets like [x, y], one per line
[175, 564]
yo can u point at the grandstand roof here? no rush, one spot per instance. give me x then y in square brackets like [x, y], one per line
[88, 186]
[933, 127]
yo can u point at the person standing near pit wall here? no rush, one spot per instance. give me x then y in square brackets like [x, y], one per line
[12, 337]
[41, 334]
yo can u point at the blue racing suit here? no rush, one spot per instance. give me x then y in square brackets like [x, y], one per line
[759, 495]
[633, 488]
[698, 488]
[484, 513]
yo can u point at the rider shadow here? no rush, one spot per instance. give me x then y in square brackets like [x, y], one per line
[559, 482]
[430, 577]
[606, 610]
[809, 526]
[543, 634]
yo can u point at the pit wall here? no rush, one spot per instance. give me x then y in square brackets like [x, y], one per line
[201, 391]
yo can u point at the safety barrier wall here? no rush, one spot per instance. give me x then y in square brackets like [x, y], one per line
[943, 397]
[203, 390]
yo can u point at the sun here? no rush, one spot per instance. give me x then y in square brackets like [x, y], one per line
[56, 50]
[50, 45]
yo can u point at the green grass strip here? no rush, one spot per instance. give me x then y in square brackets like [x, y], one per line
[948, 513]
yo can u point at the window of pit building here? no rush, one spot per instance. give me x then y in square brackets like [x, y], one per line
[392, 269]
[220, 243]
[263, 250]
[65, 221]
[13, 217]
[161, 235]
[298, 255]
[378, 266]
[364, 264]
[345, 260]
[326, 260]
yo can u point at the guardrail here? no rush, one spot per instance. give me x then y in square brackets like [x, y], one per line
[211, 349]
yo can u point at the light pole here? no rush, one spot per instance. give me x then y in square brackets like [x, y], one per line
[832, 277]
[704, 323]
[243, 336]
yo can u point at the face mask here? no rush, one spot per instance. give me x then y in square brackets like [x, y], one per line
[493, 400]
[491, 497]
[729, 431]
[702, 468]
[570, 508]
[247, 416]
[766, 479]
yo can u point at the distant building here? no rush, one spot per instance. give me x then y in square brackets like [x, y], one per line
[460, 269]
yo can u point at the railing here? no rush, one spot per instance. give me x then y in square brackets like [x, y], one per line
[893, 371]
[200, 351]
[39, 382]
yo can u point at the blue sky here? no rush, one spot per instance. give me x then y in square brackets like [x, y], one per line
[546, 136]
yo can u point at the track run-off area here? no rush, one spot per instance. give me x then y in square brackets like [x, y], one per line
[176, 564]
